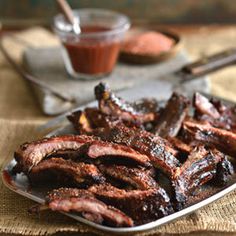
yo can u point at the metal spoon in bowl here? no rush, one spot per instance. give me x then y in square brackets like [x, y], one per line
[68, 13]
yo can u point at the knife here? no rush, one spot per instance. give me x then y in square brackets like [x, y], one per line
[162, 88]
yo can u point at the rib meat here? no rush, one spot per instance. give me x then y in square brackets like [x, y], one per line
[136, 177]
[142, 206]
[179, 145]
[204, 106]
[84, 202]
[202, 132]
[215, 113]
[146, 105]
[116, 152]
[89, 119]
[110, 104]
[80, 122]
[224, 172]
[30, 154]
[172, 116]
[156, 148]
[200, 167]
[67, 172]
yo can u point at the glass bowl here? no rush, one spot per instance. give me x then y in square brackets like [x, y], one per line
[94, 52]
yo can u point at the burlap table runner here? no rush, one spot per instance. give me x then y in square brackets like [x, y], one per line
[19, 116]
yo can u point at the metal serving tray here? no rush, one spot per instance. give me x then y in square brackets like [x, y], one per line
[19, 184]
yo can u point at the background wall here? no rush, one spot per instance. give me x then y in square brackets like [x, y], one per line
[157, 11]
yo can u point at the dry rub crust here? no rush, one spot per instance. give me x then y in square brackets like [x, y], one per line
[30, 154]
[65, 172]
[142, 206]
[156, 148]
[84, 202]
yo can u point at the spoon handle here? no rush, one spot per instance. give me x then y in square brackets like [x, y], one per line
[66, 10]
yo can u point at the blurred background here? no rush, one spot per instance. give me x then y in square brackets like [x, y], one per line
[30, 12]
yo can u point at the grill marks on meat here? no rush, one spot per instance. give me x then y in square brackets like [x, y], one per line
[136, 177]
[142, 206]
[156, 148]
[65, 172]
[30, 154]
[110, 104]
[84, 202]
[223, 140]
[100, 149]
[200, 167]
[214, 112]
[171, 117]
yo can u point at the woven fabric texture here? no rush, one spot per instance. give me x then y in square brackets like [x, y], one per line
[20, 115]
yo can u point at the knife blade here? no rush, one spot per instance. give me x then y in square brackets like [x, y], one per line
[162, 88]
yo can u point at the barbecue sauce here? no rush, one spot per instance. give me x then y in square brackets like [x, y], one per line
[8, 179]
[93, 55]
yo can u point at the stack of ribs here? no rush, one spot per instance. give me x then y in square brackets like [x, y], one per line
[133, 163]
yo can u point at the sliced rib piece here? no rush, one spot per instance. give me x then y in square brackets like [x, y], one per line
[224, 170]
[228, 115]
[156, 148]
[89, 119]
[99, 149]
[179, 145]
[110, 104]
[223, 140]
[84, 202]
[200, 167]
[80, 122]
[204, 106]
[67, 172]
[136, 177]
[170, 120]
[146, 105]
[30, 154]
[215, 112]
[142, 206]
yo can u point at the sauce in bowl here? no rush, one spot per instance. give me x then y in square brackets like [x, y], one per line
[93, 55]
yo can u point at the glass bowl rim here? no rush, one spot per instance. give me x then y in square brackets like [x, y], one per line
[122, 27]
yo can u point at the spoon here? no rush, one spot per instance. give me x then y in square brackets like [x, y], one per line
[68, 13]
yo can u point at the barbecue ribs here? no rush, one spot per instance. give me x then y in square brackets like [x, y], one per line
[30, 154]
[142, 206]
[112, 105]
[156, 148]
[215, 112]
[170, 120]
[65, 172]
[136, 177]
[133, 163]
[223, 140]
[201, 166]
[84, 202]
[91, 118]
[116, 152]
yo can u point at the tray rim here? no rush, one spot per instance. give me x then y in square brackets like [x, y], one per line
[124, 230]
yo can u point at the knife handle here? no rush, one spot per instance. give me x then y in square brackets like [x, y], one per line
[209, 64]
